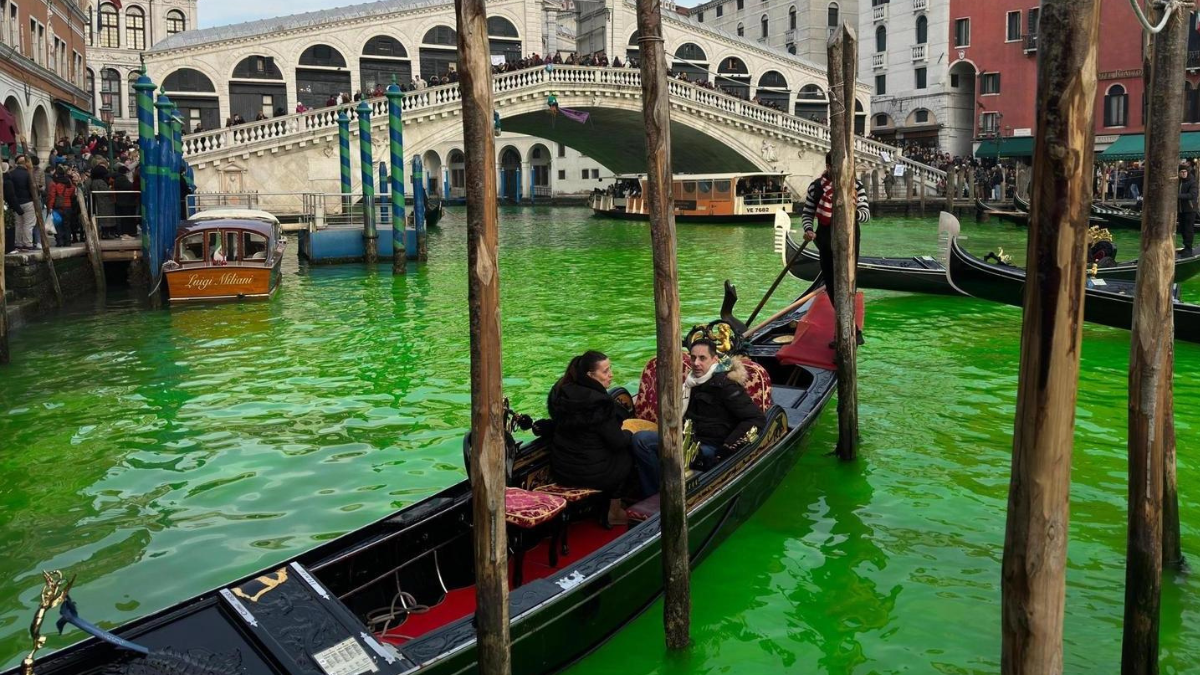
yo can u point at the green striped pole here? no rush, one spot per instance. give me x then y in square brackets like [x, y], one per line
[177, 195]
[370, 238]
[163, 146]
[146, 160]
[396, 133]
[344, 155]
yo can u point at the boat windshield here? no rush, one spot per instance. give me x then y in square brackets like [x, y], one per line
[191, 248]
[255, 247]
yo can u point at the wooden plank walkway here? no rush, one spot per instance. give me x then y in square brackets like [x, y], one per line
[113, 250]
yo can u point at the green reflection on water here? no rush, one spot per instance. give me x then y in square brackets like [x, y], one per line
[159, 454]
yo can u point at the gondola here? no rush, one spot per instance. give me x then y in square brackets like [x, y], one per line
[1015, 216]
[434, 212]
[321, 611]
[1021, 216]
[1106, 301]
[926, 274]
[1114, 216]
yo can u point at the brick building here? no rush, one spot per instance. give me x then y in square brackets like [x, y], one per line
[993, 75]
[43, 51]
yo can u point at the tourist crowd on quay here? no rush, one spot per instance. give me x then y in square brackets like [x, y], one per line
[73, 170]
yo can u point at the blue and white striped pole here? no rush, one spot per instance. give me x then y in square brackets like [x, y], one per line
[395, 99]
[370, 238]
[344, 156]
[418, 180]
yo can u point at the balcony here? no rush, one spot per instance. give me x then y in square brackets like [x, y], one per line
[879, 13]
[879, 61]
[919, 52]
[1031, 43]
[789, 35]
[920, 5]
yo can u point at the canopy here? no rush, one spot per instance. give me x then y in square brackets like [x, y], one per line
[1133, 146]
[81, 115]
[1012, 146]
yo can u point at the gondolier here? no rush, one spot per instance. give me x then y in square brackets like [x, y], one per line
[1187, 208]
[819, 204]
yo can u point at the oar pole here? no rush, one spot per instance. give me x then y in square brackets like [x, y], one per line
[1033, 571]
[656, 117]
[843, 59]
[1150, 351]
[483, 300]
[779, 279]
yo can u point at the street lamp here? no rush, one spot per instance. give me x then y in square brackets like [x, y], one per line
[106, 116]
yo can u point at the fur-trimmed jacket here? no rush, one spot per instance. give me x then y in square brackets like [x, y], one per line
[721, 411]
[589, 448]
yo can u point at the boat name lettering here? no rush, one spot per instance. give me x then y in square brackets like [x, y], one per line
[308, 578]
[239, 607]
[227, 279]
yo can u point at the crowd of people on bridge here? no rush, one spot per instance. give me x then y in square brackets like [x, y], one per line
[73, 170]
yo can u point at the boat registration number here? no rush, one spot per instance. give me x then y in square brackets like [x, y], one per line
[759, 209]
[345, 658]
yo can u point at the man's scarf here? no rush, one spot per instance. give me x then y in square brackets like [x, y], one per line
[825, 206]
[692, 381]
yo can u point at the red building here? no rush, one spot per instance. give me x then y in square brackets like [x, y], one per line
[993, 73]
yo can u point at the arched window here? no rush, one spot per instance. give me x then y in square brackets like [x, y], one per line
[631, 48]
[812, 104]
[791, 18]
[773, 90]
[439, 51]
[135, 28]
[320, 76]
[176, 22]
[762, 23]
[196, 97]
[691, 60]
[110, 32]
[1116, 107]
[110, 91]
[91, 89]
[131, 93]
[882, 120]
[188, 80]
[323, 56]
[383, 58]
[833, 15]
[860, 119]
[257, 87]
[1191, 103]
[733, 77]
[922, 30]
[741, 30]
[881, 39]
[503, 39]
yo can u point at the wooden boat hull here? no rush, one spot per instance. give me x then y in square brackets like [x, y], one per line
[918, 274]
[1111, 305]
[272, 621]
[214, 284]
[433, 214]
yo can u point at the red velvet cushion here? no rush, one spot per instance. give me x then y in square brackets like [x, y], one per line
[645, 404]
[758, 384]
[526, 509]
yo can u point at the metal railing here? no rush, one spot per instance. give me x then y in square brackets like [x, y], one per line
[920, 5]
[127, 223]
[267, 133]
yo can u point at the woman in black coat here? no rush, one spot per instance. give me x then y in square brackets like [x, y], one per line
[589, 447]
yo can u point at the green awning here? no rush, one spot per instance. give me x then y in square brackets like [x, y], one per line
[81, 115]
[1013, 146]
[1133, 146]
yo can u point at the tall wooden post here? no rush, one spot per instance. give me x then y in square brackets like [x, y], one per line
[41, 225]
[971, 184]
[656, 117]
[923, 180]
[1035, 542]
[951, 179]
[843, 59]
[91, 237]
[483, 299]
[1150, 348]
[1172, 547]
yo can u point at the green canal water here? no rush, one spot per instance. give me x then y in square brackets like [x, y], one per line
[159, 454]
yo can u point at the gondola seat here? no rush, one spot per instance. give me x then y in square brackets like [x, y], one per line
[579, 500]
[643, 510]
[530, 516]
[645, 404]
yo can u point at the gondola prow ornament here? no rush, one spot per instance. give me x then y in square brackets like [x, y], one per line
[54, 593]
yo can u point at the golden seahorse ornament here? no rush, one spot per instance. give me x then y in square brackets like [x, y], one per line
[54, 592]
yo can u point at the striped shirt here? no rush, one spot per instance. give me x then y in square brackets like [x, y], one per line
[816, 190]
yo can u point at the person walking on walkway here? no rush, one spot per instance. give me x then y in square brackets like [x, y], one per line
[23, 188]
[1187, 208]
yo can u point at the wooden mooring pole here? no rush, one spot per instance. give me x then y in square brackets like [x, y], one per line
[656, 117]
[843, 59]
[1033, 572]
[41, 225]
[92, 238]
[950, 181]
[1150, 348]
[4, 354]
[483, 299]
[1172, 546]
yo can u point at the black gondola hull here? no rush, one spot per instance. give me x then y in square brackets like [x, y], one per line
[920, 274]
[1111, 305]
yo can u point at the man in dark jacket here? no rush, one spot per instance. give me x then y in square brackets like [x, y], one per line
[721, 412]
[1187, 208]
[22, 183]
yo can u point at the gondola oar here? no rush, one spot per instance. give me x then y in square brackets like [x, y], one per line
[785, 226]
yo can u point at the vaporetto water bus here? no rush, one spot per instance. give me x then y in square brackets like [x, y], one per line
[707, 197]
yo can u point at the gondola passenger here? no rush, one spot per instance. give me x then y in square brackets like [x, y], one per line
[589, 448]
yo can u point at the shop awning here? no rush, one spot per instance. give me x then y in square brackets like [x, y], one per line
[1012, 146]
[79, 114]
[1133, 146]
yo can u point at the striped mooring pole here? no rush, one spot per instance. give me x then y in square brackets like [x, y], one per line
[163, 146]
[344, 155]
[146, 159]
[418, 181]
[370, 238]
[396, 134]
[177, 194]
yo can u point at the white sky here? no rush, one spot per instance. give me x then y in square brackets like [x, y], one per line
[222, 12]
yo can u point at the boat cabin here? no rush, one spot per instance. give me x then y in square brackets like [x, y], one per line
[225, 253]
[716, 197]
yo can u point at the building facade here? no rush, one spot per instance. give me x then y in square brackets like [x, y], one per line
[993, 71]
[43, 49]
[117, 37]
[800, 27]
[903, 51]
